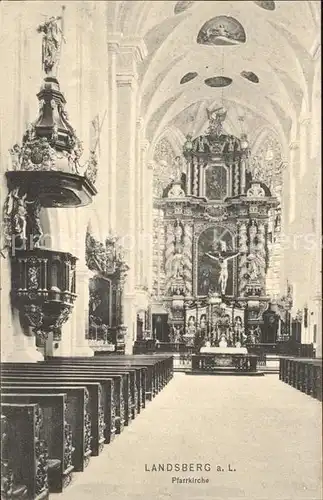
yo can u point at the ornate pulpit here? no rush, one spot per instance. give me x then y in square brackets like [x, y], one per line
[46, 171]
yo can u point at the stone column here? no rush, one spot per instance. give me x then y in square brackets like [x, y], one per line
[304, 144]
[112, 133]
[139, 204]
[294, 164]
[100, 109]
[131, 52]
[149, 225]
[318, 259]
[146, 215]
[81, 314]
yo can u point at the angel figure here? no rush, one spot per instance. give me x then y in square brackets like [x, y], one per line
[224, 273]
[16, 208]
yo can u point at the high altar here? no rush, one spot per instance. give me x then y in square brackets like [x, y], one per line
[214, 252]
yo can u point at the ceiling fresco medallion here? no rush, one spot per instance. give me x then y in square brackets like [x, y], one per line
[218, 81]
[249, 75]
[182, 6]
[221, 30]
[188, 77]
[266, 4]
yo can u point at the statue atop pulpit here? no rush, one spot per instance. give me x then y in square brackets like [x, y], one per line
[51, 44]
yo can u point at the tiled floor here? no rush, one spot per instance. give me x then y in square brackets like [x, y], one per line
[267, 431]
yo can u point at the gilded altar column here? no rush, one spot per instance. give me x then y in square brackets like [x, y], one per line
[189, 169]
[195, 173]
[187, 258]
[243, 249]
[243, 174]
[261, 251]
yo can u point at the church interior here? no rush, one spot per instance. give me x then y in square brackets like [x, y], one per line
[161, 249]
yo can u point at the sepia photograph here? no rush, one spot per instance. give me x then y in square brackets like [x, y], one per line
[161, 250]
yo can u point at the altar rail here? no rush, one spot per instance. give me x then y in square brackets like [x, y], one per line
[303, 374]
[237, 362]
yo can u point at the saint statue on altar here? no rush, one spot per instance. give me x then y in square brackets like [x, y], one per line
[216, 118]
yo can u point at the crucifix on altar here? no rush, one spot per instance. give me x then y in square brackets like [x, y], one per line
[221, 255]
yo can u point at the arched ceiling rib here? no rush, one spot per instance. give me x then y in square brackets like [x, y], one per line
[277, 50]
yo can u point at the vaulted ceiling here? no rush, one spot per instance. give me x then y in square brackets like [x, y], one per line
[280, 40]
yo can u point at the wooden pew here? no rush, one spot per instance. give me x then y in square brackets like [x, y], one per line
[159, 368]
[54, 432]
[77, 416]
[10, 489]
[137, 379]
[96, 400]
[118, 400]
[304, 374]
[121, 383]
[162, 366]
[27, 451]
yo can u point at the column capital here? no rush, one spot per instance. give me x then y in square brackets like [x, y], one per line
[294, 145]
[113, 42]
[136, 45]
[139, 122]
[127, 79]
[305, 119]
[145, 145]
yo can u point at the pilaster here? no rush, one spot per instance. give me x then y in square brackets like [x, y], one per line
[128, 179]
[304, 124]
[113, 46]
[294, 167]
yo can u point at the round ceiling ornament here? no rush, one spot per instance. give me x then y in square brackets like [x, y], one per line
[266, 4]
[188, 77]
[221, 30]
[182, 6]
[218, 81]
[249, 75]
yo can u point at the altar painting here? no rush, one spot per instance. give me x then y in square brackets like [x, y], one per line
[215, 256]
[216, 182]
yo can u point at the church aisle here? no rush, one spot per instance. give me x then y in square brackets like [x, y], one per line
[265, 429]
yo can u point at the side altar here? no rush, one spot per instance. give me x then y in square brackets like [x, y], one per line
[213, 250]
